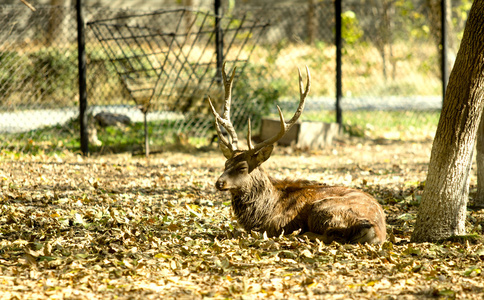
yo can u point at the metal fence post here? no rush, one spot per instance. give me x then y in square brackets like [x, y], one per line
[81, 57]
[444, 46]
[338, 42]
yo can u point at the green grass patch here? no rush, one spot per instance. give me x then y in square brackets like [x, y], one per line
[59, 138]
[401, 125]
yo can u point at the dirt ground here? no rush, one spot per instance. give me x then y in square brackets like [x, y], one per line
[123, 227]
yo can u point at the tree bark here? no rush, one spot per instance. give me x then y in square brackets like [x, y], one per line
[479, 200]
[442, 211]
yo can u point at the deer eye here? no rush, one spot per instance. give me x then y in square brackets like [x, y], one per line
[243, 169]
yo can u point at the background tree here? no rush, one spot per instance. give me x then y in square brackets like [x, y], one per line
[311, 22]
[58, 26]
[435, 27]
[442, 211]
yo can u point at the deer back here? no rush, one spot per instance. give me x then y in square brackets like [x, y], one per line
[336, 213]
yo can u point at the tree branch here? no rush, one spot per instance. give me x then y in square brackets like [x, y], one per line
[28, 5]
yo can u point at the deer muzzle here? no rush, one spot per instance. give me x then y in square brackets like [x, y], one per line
[221, 184]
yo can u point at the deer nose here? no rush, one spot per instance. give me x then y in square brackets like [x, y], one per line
[220, 185]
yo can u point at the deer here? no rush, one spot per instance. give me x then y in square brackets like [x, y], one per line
[265, 204]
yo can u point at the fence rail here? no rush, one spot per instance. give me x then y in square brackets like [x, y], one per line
[390, 62]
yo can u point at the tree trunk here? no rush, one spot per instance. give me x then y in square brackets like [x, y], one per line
[311, 22]
[58, 27]
[55, 21]
[479, 200]
[442, 211]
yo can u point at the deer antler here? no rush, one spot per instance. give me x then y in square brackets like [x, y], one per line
[224, 120]
[284, 126]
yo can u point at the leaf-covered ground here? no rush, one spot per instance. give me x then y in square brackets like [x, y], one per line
[122, 227]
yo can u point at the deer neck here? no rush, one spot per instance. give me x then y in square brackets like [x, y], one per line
[258, 187]
[254, 203]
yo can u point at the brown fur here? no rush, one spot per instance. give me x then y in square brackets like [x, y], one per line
[262, 203]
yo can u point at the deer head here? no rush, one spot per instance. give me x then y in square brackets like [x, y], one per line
[241, 163]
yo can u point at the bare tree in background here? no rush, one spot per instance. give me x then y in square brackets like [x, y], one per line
[435, 27]
[311, 21]
[58, 28]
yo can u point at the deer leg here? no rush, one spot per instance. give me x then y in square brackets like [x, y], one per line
[341, 225]
[361, 232]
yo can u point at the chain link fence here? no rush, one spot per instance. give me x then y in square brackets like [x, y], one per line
[391, 76]
[392, 83]
[168, 74]
[38, 76]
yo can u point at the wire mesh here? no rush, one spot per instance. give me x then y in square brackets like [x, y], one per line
[171, 65]
[38, 77]
[390, 68]
[167, 60]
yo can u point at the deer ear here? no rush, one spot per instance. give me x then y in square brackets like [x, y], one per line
[228, 153]
[264, 154]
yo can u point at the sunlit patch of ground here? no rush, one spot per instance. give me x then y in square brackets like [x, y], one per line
[122, 227]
